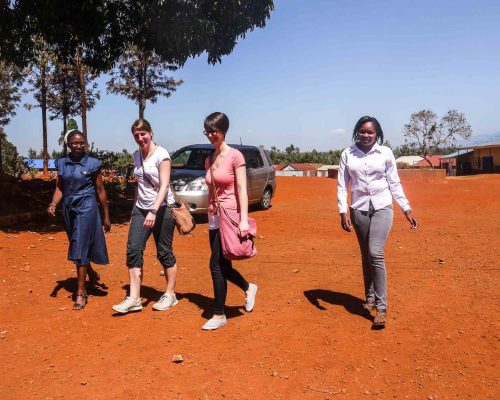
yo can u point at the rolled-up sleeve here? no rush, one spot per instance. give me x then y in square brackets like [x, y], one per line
[343, 183]
[394, 182]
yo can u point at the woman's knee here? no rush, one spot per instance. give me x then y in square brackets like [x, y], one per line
[135, 257]
[166, 258]
[376, 253]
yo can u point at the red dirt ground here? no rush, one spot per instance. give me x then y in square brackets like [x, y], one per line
[304, 340]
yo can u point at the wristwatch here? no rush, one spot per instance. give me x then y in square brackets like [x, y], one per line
[153, 211]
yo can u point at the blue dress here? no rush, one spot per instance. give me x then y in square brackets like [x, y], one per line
[82, 218]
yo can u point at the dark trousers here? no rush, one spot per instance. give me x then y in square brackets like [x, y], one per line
[222, 271]
[163, 233]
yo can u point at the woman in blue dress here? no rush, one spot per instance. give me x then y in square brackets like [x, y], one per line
[79, 185]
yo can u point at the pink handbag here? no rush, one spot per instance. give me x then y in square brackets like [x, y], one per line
[234, 247]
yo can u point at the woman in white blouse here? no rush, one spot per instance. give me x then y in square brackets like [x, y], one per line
[371, 171]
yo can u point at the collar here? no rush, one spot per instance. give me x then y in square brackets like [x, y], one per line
[376, 148]
[83, 160]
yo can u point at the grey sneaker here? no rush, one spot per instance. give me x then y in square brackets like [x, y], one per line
[166, 301]
[128, 304]
[250, 299]
[214, 323]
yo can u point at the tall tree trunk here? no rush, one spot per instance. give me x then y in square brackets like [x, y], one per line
[141, 77]
[83, 99]
[65, 128]
[429, 162]
[1, 152]
[141, 108]
[43, 106]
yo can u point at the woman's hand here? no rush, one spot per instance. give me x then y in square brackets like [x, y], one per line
[413, 222]
[345, 222]
[52, 209]
[149, 221]
[106, 225]
[243, 228]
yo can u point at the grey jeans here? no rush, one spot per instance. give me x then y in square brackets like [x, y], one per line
[372, 229]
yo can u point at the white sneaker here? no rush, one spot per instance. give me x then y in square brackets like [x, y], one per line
[128, 304]
[214, 323]
[250, 299]
[166, 301]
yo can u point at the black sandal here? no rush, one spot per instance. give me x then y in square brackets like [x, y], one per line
[94, 279]
[78, 306]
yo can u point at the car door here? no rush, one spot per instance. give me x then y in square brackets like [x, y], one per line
[257, 174]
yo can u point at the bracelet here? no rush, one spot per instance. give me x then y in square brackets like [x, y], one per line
[53, 204]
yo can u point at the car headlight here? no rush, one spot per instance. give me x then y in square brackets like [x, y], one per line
[197, 185]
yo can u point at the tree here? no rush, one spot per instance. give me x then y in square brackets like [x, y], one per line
[426, 134]
[13, 163]
[71, 124]
[175, 30]
[140, 76]
[39, 74]
[87, 87]
[63, 98]
[10, 94]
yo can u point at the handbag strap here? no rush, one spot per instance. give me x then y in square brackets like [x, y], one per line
[215, 187]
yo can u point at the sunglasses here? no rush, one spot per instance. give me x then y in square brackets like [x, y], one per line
[208, 132]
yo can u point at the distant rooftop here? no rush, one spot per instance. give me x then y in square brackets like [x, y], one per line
[483, 141]
[37, 163]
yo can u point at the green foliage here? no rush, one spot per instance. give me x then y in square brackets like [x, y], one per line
[13, 163]
[141, 76]
[403, 165]
[99, 31]
[10, 91]
[115, 188]
[292, 154]
[116, 161]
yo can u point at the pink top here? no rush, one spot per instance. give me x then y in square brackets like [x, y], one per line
[225, 181]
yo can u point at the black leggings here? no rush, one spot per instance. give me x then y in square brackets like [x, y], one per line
[222, 271]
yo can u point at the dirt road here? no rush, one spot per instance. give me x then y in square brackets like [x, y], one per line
[305, 338]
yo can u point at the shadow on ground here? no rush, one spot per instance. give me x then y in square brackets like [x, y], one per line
[352, 304]
[70, 286]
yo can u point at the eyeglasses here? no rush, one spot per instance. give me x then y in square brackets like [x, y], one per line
[209, 132]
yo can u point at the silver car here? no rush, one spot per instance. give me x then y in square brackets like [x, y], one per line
[188, 176]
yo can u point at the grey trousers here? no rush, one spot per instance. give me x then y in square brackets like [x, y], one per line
[372, 229]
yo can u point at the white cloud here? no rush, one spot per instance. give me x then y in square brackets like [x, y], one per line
[337, 131]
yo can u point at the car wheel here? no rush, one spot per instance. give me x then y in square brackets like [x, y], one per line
[265, 202]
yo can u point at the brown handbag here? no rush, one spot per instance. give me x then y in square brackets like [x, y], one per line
[184, 221]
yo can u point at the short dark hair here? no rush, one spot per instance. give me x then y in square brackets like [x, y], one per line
[74, 132]
[217, 121]
[143, 124]
[364, 120]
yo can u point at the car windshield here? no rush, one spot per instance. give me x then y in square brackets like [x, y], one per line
[191, 158]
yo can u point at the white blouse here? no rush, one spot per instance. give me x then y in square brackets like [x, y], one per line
[147, 189]
[373, 177]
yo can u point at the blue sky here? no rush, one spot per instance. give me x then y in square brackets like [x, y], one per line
[314, 69]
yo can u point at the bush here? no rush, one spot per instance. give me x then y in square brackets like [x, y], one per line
[403, 165]
[13, 163]
[115, 188]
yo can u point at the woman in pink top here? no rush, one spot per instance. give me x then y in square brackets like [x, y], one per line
[229, 173]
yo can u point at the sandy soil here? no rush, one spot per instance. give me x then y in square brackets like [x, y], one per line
[305, 339]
